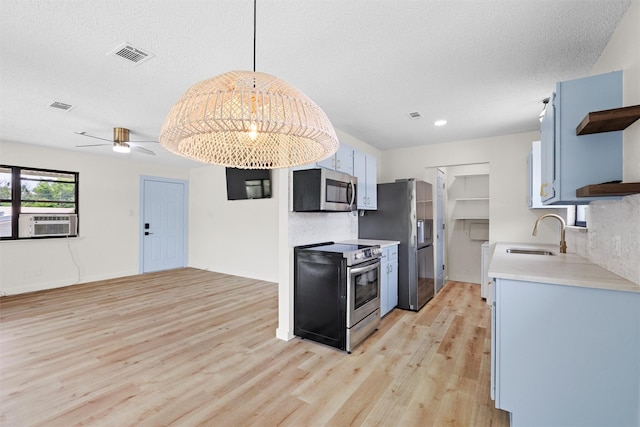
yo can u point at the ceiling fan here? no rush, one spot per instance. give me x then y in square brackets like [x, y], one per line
[120, 143]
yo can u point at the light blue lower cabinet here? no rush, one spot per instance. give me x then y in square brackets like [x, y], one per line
[565, 355]
[388, 279]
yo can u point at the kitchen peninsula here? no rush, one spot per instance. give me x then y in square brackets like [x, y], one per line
[565, 339]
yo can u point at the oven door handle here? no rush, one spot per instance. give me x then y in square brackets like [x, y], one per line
[371, 266]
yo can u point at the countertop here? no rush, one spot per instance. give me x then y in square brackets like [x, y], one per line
[382, 243]
[559, 269]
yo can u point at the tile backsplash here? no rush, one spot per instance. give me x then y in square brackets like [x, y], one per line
[613, 237]
[315, 227]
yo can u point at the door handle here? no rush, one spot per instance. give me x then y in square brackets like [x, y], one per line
[146, 233]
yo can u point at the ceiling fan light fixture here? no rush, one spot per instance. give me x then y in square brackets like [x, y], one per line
[121, 147]
[248, 120]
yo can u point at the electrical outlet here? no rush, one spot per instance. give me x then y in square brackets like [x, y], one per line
[617, 245]
[593, 243]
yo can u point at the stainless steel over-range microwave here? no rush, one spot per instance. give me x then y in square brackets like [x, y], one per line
[323, 190]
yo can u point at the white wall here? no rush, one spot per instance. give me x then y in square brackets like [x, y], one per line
[510, 220]
[238, 237]
[609, 220]
[241, 237]
[109, 227]
[234, 237]
[305, 228]
[623, 53]
[464, 260]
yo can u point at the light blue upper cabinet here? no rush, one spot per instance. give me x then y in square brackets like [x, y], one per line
[365, 169]
[569, 161]
[534, 167]
[341, 161]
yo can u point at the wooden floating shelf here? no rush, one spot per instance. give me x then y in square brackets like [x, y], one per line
[608, 120]
[619, 189]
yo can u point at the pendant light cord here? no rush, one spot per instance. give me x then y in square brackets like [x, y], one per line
[254, 36]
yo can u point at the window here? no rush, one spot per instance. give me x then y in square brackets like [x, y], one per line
[37, 191]
[6, 202]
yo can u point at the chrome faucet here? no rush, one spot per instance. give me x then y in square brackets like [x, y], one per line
[563, 242]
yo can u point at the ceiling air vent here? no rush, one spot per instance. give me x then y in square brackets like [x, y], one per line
[414, 116]
[131, 54]
[60, 105]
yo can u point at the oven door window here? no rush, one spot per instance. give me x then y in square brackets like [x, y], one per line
[365, 287]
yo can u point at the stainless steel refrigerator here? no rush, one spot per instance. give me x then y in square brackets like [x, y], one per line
[405, 213]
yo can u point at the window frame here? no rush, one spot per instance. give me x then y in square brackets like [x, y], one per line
[16, 198]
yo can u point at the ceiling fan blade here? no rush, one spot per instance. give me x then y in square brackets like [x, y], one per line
[142, 150]
[94, 145]
[91, 136]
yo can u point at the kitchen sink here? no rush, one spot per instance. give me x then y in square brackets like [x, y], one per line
[529, 251]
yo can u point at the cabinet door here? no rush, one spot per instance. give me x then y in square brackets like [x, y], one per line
[365, 169]
[393, 284]
[547, 151]
[384, 282]
[344, 159]
[586, 159]
[562, 357]
[530, 172]
[571, 161]
[341, 161]
[371, 182]
[493, 347]
[329, 162]
[360, 172]
[485, 268]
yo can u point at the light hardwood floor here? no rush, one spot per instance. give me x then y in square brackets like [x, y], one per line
[190, 347]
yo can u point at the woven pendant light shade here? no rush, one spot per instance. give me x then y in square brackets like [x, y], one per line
[248, 120]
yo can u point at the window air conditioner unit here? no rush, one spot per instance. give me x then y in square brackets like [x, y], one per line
[47, 224]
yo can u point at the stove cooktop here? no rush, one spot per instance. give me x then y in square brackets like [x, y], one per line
[340, 248]
[354, 254]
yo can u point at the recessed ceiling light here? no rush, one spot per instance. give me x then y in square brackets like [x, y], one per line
[440, 122]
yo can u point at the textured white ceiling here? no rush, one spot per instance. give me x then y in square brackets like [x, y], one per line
[483, 65]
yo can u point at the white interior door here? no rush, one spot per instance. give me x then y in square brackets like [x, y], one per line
[163, 229]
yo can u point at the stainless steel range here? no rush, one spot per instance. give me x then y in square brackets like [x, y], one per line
[336, 293]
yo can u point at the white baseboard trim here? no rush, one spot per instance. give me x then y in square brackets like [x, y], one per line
[284, 335]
